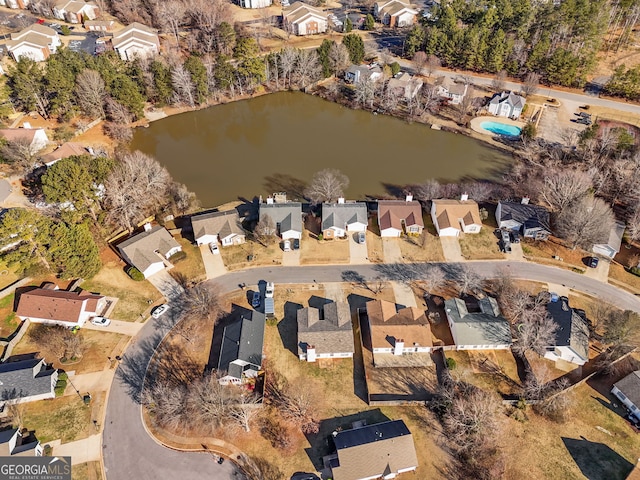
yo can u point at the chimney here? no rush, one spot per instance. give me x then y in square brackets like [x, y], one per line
[399, 346]
[340, 199]
[311, 353]
[464, 197]
[269, 200]
[147, 227]
[280, 197]
[525, 201]
[409, 198]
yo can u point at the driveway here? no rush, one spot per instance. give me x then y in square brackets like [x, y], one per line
[601, 272]
[391, 250]
[516, 255]
[213, 264]
[80, 451]
[166, 284]
[335, 291]
[357, 251]
[451, 249]
[291, 259]
[117, 326]
[404, 295]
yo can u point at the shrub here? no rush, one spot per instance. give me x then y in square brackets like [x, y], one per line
[395, 68]
[63, 133]
[47, 450]
[60, 387]
[272, 321]
[635, 271]
[178, 256]
[65, 30]
[529, 130]
[451, 363]
[320, 237]
[135, 274]
[63, 376]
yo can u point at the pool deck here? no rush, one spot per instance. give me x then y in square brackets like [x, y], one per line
[475, 123]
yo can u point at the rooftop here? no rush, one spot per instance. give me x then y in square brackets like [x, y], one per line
[450, 212]
[387, 325]
[141, 248]
[342, 214]
[484, 327]
[333, 333]
[572, 330]
[242, 340]
[531, 216]
[222, 224]
[288, 215]
[25, 378]
[630, 386]
[392, 214]
[58, 305]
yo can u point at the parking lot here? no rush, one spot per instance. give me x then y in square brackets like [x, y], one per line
[83, 42]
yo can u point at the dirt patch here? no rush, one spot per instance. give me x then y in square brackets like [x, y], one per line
[491, 370]
[546, 251]
[9, 322]
[480, 246]
[251, 254]
[629, 280]
[313, 251]
[374, 242]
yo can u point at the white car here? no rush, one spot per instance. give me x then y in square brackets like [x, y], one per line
[159, 310]
[286, 246]
[214, 248]
[269, 290]
[100, 321]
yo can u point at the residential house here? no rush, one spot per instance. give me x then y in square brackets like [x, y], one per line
[477, 327]
[635, 473]
[452, 217]
[60, 307]
[254, 3]
[453, 91]
[148, 250]
[506, 104]
[136, 40]
[99, 25]
[397, 332]
[627, 391]
[75, 11]
[36, 138]
[26, 381]
[367, 452]
[286, 217]
[329, 335]
[303, 19]
[214, 227]
[396, 217]
[14, 443]
[405, 85]
[241, 351]
[611, 246]
[530, 220]
[66, 150]
[362, 73]
[36, 42]
[572, 334]
[15, 4]
[395, 13]
[340, 218]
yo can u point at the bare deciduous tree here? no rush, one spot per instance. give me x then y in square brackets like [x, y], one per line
[245, 409]
[433, 278]
[562, 187]
[90, 93]
[20, 154]
[535, 333]
[172, 14]
[327, 186]
[61, 341]
[428, 190]
[465, 106]
[182, 85]
[420, 60]
[531, 83]
[307, 69]
[499, 81]
[338, 58]
[467, 281]
[203, 301]
[265, 230]
[365, 93]
[433, 64]
[585, 222]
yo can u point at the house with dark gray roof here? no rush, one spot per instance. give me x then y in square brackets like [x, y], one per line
[627, 391]
[286, 218]
[477, 326]
[241, 351]
[14, 443]
[148, 250]
[342, 217]
[26, 381]
[572, 333]
[325, 333]
[383, 450]
[362, 73]
[506, 104]
[214, 227]
[610, 246]
[530, 220]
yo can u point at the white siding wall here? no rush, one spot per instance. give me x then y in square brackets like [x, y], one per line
[153, 268]
[357, 227]
[390, 232]
[207, 239]
[290, 234]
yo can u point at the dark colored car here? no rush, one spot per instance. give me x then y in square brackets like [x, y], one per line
[633, 420]
[296, 244]
[504, 234]
[515, 237]
[255, 301]
[593, 262]
[304, 476]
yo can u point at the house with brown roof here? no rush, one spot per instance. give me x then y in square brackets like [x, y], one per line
[148, 250]
[396, 217]
[212, 227]
[369, 452]
[395, 13]
[325, 333]
[303, 19]
[60, 307]
[397, 332]
[66, 150]
[36, 138]
[36, 42]
[452, 217]
[74, 11]
[405, 85]
[136, 40]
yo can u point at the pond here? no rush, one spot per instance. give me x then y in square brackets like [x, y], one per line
[276, 142]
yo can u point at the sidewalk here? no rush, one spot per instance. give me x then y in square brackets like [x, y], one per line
[81, 451]
[213, 264]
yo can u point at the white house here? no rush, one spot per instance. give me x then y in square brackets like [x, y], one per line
[15, 4]
[136, 40]
[627, 391]
[452, 217]
[254, 3]
[572, 334]
[453, 91]
[75, 11]
[303, 19]
[13, 442]
[611, 246]
[36, 42]
[396, 217]
[395, 13]
[403, 84]
[340, 218]
[26, 381]
[36, 138]
[214, 227]
[148, 250]
[286, 217]
[485, 329]
[506, 104]
[362, 73]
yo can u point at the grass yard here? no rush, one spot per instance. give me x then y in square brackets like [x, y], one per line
[546, 250]
[8, 276]
[235, 256]
[618, 273]
[374, 242]
[314, 251]
[66, 418]
[8, 320]
[492, 370]
[96, 347]
[133, 296]
[480, 246]
[422, 248]
[86, 471]
[191, 267]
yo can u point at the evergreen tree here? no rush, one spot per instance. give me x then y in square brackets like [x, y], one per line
[161, 83]
[323, 55]
[369, 22]
[414, 41]
[348, 25]
[126, 91]
[198, 72]
[355, 46]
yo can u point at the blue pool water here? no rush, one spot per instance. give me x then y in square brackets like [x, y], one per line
[501, 129]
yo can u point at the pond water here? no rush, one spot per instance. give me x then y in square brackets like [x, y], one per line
[276, 142]
[502, 128]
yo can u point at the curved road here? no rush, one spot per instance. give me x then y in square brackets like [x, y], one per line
[129, 452]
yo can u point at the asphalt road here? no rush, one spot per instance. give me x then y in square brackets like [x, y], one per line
[129, 452]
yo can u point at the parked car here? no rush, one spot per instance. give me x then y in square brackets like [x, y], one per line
[269, 290]
[633, 420]
[362, 237]
[304, 476]
[504, 235]
[593, 262]
[296, 244]
[40, 21]
[515, 237]
[255, 300]
[506, 246]
[159, 310]
[214, 248]
[100, 321]
[286, 246]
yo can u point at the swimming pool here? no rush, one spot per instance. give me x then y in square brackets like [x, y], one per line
[501, 128]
